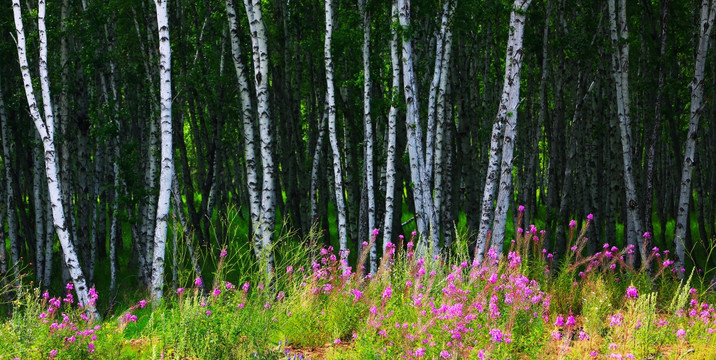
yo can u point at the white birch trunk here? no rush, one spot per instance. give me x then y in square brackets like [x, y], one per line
[441, 137]
[45, 129]
[507, 114]
[392, 120]
[706, 22]
[261, 77]
[620, 69]
[368, 133]
[167, 164]
[430, 138]
[424, 210]
[331, 103]
[247, 119]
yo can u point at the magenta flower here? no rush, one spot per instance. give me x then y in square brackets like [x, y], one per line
[208, 312]
[632, 293]
[357, 294]
[521, 208]
[496, 335]
[376, 232]
[245, 287]
[142, 304]
[387, 293]
[681, 333]
[53, 353]
[570, 320]
[559, 322]
[646, 235]
[583, 336]
[223, 253]
[445, 355]
[90, 348]
[198, 282]
[572, 224]
[180, 291]
[217, 292]
[69, 286]
[590, 217]
[420, 352]
[337, 341]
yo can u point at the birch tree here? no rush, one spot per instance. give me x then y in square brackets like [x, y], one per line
[620, 71]
[332, 134]
[167, 163]
[247, 120]
[46, 129]
[368, 131]
[503, 135]
[424, 210]
[706, 22]
[261, 78]
[391, 141]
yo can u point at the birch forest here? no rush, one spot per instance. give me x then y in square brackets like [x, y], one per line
[140, 139]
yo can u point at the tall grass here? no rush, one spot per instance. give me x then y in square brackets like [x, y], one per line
[514, 305]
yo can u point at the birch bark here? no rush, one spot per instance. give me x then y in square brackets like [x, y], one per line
[247, 119]
[167, 163]
[261, 77]
[503, 133]
[392, 119]
[620, 71]
[45, 128]
[424, 210]
[332, 135]
[368, 132]
[706, 22]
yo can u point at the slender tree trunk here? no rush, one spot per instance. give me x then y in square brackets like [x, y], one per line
[430, 138]
[45, 129]
[620, 66]
[442, 142]
[8, 152]
[261, 77]
[424, 210]
[507, 118]
[331, 103]
[247, 119]
[315, 165]
[37, 190]
[706, 22]
[368, 132]
[390, 172]
[167, 164]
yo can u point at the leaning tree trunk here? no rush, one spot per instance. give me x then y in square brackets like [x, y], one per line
[620, 71]
[507, 118]
[247, 119]
[167, 164]
[391, 147]
[706, 22]
[368, 132]
[45, 128]
[331, 103]
[261, 77]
